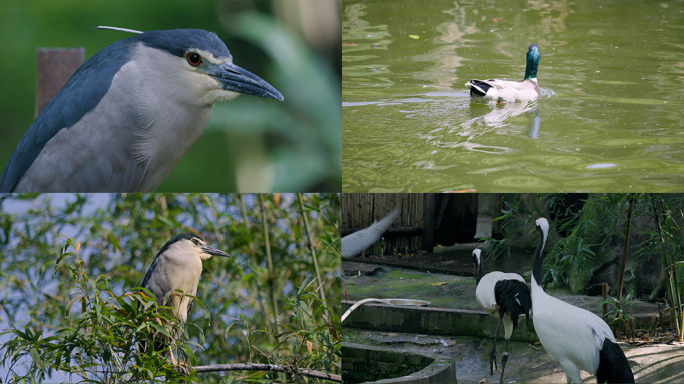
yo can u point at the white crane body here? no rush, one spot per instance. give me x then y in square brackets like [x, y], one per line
[574, 337]
[504, 296]
[487, 299]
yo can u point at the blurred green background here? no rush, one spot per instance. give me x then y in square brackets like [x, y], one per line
[251, 144]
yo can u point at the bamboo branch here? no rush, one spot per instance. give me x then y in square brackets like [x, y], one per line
[623, 264]
[244, 210]
[268, 368]
[668, 267]
[312, 249]
[271, 275]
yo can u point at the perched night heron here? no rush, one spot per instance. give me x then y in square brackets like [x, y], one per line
[129, 114]
[178, 266]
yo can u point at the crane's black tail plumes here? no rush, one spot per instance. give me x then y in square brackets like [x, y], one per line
[513, 296]
[613, 365]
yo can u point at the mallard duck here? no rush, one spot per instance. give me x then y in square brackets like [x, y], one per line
[504, 91]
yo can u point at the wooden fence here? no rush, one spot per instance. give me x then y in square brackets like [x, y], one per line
[407, 233]
[424, 219]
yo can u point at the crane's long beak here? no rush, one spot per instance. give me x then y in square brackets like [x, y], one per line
[237, 79]
[214, 251]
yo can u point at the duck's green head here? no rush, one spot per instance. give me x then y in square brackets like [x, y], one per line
[533, 56]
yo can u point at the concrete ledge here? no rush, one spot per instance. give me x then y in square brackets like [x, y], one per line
[396, 366]
[433, 321]
[466, 272]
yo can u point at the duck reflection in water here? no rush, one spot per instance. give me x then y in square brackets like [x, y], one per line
[534, 124]
[498, 115]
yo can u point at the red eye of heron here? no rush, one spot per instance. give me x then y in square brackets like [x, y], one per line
[194, 59]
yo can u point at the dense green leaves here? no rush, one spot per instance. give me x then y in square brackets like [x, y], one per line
[70, 264]
[600, 220]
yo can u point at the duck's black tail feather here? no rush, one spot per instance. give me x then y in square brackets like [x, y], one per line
[478, 87]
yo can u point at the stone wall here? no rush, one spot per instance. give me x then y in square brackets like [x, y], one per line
[377, 365]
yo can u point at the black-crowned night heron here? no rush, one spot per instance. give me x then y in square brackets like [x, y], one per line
[178, 266]
[129, 114]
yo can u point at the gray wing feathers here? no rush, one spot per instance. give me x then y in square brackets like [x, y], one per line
[190, 303]
[93, 155]
[504, 84]
[158, 285]
[79, 96]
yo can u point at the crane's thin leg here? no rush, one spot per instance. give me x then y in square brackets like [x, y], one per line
[492, 355]
[504, 359]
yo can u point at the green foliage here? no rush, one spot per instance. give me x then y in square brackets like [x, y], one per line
[101, 344]
[302, 344]
[307, 125]
[118, 236]
[619, 315]
[667, 240]
[600, 220]
[520, 211]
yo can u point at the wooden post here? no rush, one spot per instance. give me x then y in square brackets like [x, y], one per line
[442, 208]
[660, 317]
[53, 68]
[429, 221]
[604, 293]
[625, 246]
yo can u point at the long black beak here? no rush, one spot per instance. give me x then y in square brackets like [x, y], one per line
[214, 251]
[237, 79]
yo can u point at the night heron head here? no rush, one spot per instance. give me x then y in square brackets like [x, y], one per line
[197, 65]
[188, 246]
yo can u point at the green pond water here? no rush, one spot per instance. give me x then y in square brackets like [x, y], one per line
[610, 117]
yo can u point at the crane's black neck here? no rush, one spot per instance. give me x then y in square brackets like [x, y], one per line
[538, 257]
[480, 269]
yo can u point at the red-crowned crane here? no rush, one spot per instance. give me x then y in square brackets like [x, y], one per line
[576, 338]
[504, 296]
[355, 243]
